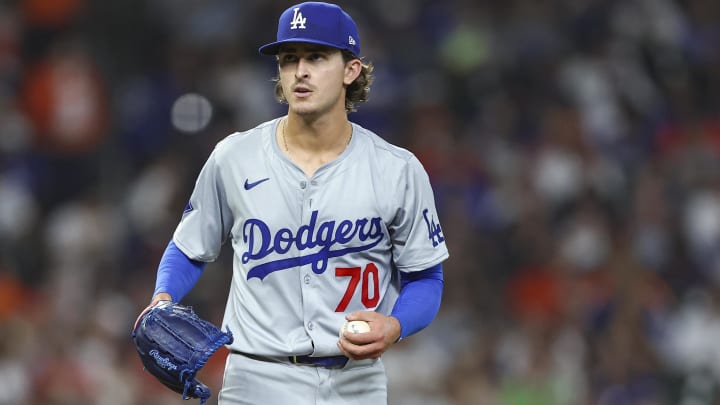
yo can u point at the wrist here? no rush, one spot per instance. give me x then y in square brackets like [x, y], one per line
[161, 296]
[396, 328]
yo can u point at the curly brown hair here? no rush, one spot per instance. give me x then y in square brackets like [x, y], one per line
[356, 92]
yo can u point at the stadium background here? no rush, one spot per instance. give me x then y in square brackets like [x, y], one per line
[573, 146]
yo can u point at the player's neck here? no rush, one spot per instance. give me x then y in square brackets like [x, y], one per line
[313, 134]
[313, 143]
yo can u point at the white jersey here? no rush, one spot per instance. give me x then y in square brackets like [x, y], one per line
[308, 251]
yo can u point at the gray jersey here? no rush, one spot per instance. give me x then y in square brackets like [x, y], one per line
[308, 251]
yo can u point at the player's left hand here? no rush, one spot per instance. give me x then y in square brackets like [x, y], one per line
[158, 298]
[384, 331]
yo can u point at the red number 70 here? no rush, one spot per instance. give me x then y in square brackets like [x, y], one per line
[355, 274]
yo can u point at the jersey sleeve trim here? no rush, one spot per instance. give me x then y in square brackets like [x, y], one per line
[190, 254]
[423, 266]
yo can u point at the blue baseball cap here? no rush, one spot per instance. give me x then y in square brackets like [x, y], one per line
[316, 23]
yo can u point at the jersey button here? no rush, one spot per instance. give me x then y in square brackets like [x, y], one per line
[310, 325]
[303, 184]
[306, 279]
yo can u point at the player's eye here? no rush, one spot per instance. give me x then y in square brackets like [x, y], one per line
[288, 58]
[316, 56]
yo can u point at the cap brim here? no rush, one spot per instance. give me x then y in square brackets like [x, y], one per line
[273, 48]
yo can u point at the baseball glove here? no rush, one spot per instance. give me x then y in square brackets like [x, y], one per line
[174, 343]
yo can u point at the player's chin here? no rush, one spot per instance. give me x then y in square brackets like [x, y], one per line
[304, 109]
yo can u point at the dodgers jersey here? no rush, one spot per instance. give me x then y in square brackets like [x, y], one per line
[308, 251]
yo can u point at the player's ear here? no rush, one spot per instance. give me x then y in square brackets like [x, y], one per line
[353, 68]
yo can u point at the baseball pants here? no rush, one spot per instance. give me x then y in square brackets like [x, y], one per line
[251, 381]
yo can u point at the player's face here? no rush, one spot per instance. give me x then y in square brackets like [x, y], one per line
[313, 78]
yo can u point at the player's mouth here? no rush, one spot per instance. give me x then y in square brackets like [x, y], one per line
[301, 91]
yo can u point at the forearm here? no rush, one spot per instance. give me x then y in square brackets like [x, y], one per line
[177, 274]
[419, 300]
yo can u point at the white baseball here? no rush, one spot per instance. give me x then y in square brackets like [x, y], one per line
[355, 327]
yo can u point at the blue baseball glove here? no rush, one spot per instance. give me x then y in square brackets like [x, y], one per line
[174, 343]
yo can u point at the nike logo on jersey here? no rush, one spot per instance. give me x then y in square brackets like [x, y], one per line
[326, 235]
[249, 185]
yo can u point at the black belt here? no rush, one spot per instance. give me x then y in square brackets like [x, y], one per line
[327, 362]
[330, 362]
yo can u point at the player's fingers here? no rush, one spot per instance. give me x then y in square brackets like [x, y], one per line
[370, 351]
[367, 316]
[360, 338]
[363, 345]
[360, 352]
[345, 350]
[385, 328]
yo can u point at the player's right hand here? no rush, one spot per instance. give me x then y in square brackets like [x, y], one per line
[384, 331]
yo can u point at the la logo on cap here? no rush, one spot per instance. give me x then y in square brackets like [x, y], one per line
[298, 20]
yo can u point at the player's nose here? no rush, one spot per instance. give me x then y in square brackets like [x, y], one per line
[301, 69]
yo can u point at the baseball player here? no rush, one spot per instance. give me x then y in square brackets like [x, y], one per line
[328, 223]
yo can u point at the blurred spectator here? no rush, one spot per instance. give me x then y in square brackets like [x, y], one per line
[63, 96]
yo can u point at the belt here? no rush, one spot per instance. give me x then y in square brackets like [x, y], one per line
[327, 362]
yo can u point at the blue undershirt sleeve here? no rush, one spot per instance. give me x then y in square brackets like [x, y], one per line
[177, 273]
[419, 299]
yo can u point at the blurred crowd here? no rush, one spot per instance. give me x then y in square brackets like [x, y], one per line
[573, 145]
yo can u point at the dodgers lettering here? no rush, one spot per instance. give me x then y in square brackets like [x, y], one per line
[261, 243]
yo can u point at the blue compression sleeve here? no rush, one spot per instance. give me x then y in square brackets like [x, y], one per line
[419, 299]
[177, 273]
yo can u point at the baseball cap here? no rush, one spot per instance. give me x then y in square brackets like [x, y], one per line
[316, 23]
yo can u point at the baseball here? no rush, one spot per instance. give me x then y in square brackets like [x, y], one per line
[355, 327]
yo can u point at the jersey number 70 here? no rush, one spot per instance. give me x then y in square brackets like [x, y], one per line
[356, 274]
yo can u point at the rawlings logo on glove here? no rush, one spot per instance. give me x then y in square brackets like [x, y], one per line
[163, 362]
[174, 344]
